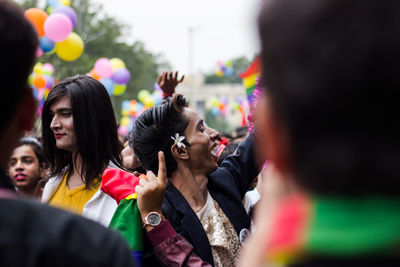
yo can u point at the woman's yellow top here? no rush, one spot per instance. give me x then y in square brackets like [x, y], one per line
[73, 200]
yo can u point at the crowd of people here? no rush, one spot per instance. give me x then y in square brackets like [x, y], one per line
[312, 183]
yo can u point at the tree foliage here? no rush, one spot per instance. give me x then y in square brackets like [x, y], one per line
[104, 36]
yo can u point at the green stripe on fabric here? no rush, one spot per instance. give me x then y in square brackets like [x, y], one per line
[351, 227]
[128, 223]
[250, 89]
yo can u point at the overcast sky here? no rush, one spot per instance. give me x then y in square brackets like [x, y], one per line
[224, 29]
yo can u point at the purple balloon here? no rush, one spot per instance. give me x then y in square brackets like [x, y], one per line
[67, 11]
[49, 81]
[121, 76]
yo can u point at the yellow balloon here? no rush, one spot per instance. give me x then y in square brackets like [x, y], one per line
[119, 89]
[125, 112]
[149, 101]
[71, 48]
[117, 63]
[65, 2]
[124, 121]
[38, 68]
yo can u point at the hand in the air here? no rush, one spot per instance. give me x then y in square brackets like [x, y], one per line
[168, 81]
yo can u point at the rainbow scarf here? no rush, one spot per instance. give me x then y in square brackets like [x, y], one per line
[126, 220]
[333, 227]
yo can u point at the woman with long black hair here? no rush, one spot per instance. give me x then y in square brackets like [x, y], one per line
[80, 139]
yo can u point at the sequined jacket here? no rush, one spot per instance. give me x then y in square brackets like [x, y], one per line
[227, 185]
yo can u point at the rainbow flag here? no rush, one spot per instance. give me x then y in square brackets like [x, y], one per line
[249, 78]
[120, 185]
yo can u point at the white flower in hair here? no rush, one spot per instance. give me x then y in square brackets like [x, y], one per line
[178, 140]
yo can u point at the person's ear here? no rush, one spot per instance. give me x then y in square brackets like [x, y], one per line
[27, 110]
[179, 152]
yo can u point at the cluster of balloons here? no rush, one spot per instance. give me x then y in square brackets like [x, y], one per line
[54, 30]
[41, 80]
[130, 109]
[218, 105]
[112, 73]
[224, 69]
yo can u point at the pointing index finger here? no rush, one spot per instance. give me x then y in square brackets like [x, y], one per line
[162, 169]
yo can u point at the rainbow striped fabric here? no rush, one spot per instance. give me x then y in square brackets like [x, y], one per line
[249, 78]
[120, 185]
[333, 227]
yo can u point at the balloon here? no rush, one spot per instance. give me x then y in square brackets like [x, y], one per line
[57, 27]
[103, 68]
[121, 76]
[37, 18]
[117, 63]
[108, 84]
[39, 52]
[30, 79]
[47, 67]
[49, 81]
[67, 11]
[124, 121]
[38, 68]
[46, 44]
[71, 48]
[219, 73]
[65, 2]
[119, 89]
[126, 105]
[228, 64]
[53, 3]
[214, 101]
[229, 71]
[94, 75]
[215, 111]
[125, 112]
[39, 81]
[143, 94]
[148, 101]
[123, 130]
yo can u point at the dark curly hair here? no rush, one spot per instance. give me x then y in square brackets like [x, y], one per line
[153, 129]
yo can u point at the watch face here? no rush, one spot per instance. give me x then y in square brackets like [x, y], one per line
[153, 219]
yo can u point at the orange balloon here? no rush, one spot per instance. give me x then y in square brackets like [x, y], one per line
[94, 75]
[36, 17]
[39, 81]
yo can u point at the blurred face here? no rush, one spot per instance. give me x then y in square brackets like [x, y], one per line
[62, 125]
[24, 168]
[203, 144]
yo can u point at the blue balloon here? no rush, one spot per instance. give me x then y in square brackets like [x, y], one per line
[229, 71]
[46, 44]
[53, 3]
[215, 111]
[126, 105]
[108, 84]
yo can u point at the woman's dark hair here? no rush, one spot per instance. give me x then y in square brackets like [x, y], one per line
[36, 147]
[152, 132]
[94, 124]
[331, 74]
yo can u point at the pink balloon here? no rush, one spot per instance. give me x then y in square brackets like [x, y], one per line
[39, 52]
[57, 27]
[103, 68]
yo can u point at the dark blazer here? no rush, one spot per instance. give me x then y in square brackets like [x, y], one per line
[227, 185]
